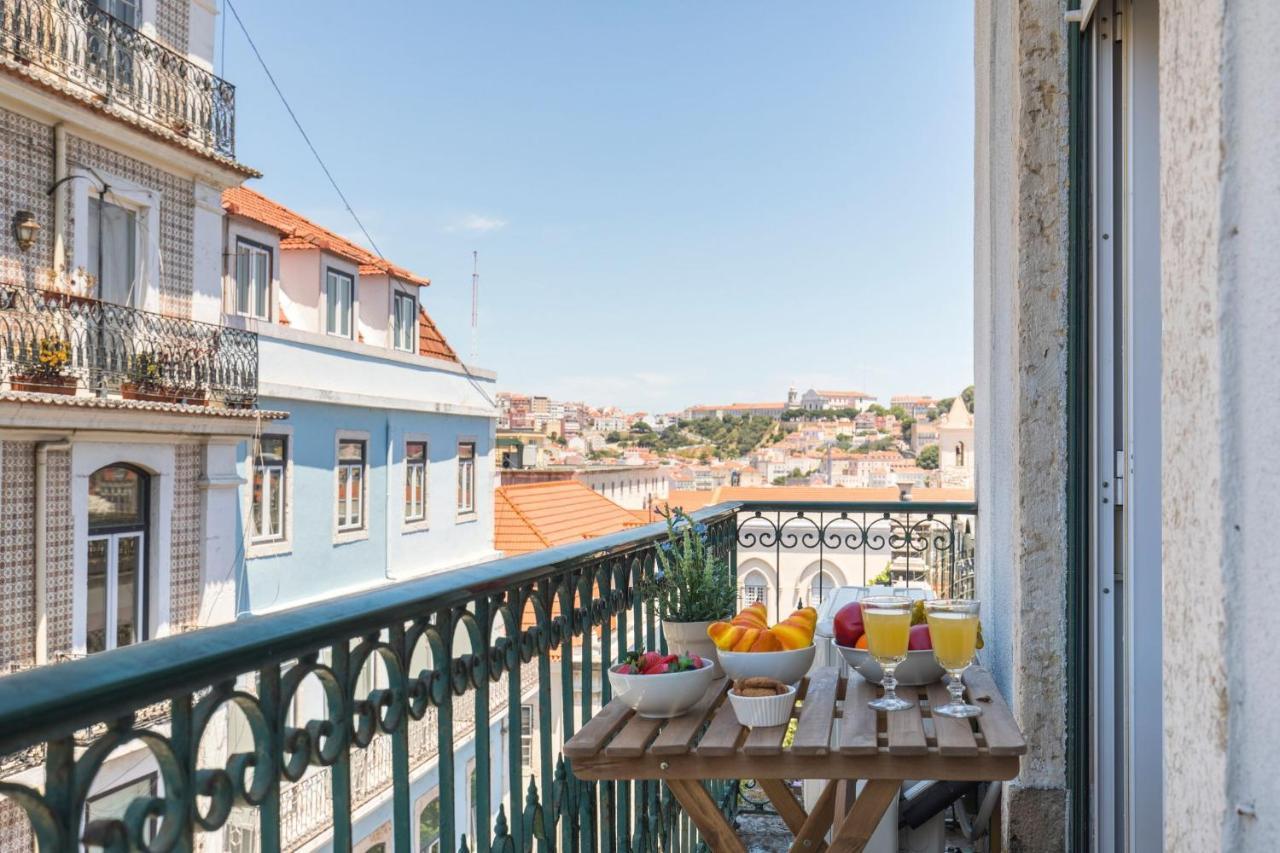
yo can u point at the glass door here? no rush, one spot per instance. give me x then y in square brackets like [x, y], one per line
[116, 588]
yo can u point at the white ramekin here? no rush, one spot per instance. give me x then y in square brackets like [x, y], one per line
[763, 711]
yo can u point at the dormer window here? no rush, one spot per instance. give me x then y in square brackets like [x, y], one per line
[253, 280]
[404, 321]
[339, 291]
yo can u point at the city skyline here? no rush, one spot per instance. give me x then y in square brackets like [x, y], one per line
[602, 184]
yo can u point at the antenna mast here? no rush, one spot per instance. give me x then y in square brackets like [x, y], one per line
[475, 306]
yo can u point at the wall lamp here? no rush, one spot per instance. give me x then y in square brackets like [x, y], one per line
[25, 229]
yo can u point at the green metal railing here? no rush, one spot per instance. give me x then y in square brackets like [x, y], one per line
[470, 643]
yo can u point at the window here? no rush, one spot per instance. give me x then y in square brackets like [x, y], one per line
[112, 804]
[466, 476]
[404, 321]
[819, 588]
[253, 280]
[350, 484]
[123, 10]
[415, 481]
[754, 589]
[338, 292]
[526, 736]
[429, 827]
[113, 251]
[267, 516]
[116, 580]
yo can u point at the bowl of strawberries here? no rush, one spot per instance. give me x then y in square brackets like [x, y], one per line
[751, 648]
[659, 686]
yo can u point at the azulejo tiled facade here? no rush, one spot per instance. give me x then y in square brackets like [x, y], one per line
[184, 566]
[173, 19]
[17, 554]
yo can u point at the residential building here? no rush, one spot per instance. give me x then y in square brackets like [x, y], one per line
[814, 400]
[924, 433]
[533, 516]
[763, 410]
[629, 486]
[382, 415]
[917, 407]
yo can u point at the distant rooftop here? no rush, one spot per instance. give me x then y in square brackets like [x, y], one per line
[534, 516]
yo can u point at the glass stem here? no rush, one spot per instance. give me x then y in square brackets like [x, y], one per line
[890, 683]
[956, 687]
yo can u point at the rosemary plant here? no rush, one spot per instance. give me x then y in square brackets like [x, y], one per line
[691, 584]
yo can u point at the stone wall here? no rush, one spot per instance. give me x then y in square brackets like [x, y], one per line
[1020, 285]
[1220, 163]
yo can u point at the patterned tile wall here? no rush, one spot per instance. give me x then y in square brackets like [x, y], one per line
[177, 216]
[26, 170]
[15, 831]
[17, 554]
[172, 23]
[184, 566]
[60, 548]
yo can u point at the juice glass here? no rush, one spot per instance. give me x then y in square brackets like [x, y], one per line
[887, 621]
[953, 628]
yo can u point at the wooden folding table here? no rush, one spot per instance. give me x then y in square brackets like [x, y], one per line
[837, 737]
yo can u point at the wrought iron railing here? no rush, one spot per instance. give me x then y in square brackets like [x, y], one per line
[80, 44]
[57, 343]
[467, 639]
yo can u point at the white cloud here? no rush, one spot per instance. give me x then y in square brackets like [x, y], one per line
[474, 222]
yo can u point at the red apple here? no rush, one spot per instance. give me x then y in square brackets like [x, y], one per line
[848, 624]
[920, 639]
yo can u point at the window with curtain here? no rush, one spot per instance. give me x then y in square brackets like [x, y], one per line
[415, 481]
[351, 476]
[113, 251]
[269, 465]
[338, 292]
[466, 476]
[253, 280]
[405, 322]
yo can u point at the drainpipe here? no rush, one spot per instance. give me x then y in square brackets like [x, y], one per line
[386, 502]
[59, 199]
[42, 543]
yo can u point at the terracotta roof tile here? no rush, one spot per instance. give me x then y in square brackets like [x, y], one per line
[430, 340]
[534, 516]
[298, 232]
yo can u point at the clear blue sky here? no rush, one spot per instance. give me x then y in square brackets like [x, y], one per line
[674, 202]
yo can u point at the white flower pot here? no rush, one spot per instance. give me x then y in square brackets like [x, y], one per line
[691, 638]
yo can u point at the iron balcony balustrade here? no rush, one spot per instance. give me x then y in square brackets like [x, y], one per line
[104, 58]
[455, 650]
[54, 342]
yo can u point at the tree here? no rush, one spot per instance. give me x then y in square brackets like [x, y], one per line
[967, 396]
[641, 426]
[780, 481]
[613, 437]
[927, 458]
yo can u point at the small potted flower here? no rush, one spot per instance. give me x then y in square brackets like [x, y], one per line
[660, 686]
[692, 586]
[47, 375]
[146, 380]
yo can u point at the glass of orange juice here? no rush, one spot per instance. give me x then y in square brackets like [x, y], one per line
[887, 621]
[953, 628]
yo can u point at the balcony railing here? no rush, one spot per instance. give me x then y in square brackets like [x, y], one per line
[449, 649]
[58, 343]
[105, 58]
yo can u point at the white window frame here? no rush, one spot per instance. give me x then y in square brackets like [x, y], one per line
[466, 510]
[411, 343]
[346, 531]
[332, 272]
[252, 249]
[526, 736]
[419, 521]
[145, 203]
[112, 581]
[281, 478]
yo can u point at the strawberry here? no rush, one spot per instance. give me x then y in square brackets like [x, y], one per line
[626, 669]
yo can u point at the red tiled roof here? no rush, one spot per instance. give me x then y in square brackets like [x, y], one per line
[298, 232]
[855, 394]
[430, 340]
[534, 516]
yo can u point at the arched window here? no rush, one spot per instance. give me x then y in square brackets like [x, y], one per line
[755, 588]
[959, 454]
[119, 517]
[819, 588]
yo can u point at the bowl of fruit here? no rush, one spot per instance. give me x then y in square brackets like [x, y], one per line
[850, 640]
[660, 686]
[750, 648]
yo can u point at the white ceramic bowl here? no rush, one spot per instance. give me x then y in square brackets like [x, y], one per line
[920, 667]
[762, 711]
[661, 697]
[787, 667]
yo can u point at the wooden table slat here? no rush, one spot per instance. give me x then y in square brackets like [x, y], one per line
[722, 734]
[858, 726]
[996, 722]
[634, 738]
[677, 736]
[906, 733]
[813, 729]
[954, 737]
[592, 736]
[765, 741]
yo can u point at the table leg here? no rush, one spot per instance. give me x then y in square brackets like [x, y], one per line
[995, 832]
[861, 821]
[810, 837]
[710, 821]
[779, 793]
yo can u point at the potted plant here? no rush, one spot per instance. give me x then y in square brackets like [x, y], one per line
[46, 375]
[146, 380]
[693, 587]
